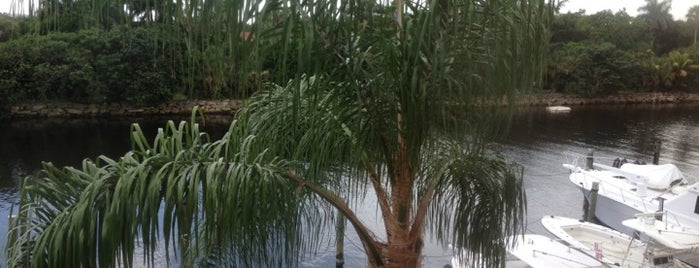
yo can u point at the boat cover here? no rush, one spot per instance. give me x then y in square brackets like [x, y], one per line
[659, 176]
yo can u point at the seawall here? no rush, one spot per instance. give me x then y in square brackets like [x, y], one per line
[68, 109]
[230, 107]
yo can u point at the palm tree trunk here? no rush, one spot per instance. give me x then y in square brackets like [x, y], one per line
[402, 249]
[399, 13]
[696, 26]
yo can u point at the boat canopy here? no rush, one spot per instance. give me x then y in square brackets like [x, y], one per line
[659, 176]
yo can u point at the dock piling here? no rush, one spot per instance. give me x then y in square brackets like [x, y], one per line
[589, 159]
[594, 191]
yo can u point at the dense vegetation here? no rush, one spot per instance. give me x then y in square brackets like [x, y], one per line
[606, 52]
[127, 56]
[91, 66]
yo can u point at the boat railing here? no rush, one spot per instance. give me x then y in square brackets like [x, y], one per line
[632, 177]
[576, 159]
[675, 218]
[609, 189]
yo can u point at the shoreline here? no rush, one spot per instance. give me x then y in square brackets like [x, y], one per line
[230, 107]
[557, 99]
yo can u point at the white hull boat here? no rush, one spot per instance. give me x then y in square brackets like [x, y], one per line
[611, 247]
[558, 109]
[538, 251]
[631, 189]
[682, 240]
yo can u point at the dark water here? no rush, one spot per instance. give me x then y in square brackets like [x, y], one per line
[539, 141]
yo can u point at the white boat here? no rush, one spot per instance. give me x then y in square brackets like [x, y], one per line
[611, 247]
[538, 251]
[631, 189]
[558, 109]
[682, 240]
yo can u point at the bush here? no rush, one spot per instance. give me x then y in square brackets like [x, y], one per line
[588, 69]
[91, 66]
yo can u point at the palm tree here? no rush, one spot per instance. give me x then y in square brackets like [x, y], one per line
[693, 16]
[399, 110]
[657, 15]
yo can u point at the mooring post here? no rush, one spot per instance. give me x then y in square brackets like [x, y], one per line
[661, 207]
[589, 159]
[340, 240]
[656, 152]
[593, 202]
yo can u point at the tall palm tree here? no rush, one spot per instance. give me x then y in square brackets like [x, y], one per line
[399, 110]
[657, 15]
[693, 16]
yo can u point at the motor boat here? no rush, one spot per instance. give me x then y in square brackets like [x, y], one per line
[628, 189]
[609, 246]
[538, 251]
[684, 241]
[558, 109]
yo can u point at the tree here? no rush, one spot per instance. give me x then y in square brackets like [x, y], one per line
[693, 16]
[8, 27]
[567, 28]
[401, 109]
[657, 15]
[617, 28]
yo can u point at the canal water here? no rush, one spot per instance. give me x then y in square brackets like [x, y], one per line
[539, 141]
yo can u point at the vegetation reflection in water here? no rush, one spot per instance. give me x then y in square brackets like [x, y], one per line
[539, 141]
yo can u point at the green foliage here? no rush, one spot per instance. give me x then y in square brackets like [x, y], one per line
[672, 71]
[620, 29]
[121, 65]
[362, 99]
[656, 13]
[607, 52]
[623, 31]
[567, 28]
[677, 35]
[9, 27]
[589, 69]
[219, 180]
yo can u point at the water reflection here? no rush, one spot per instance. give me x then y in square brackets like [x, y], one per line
[26, 143]
[539, 141]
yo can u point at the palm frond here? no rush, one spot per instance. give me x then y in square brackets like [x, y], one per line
[478, 201]
[194, 193]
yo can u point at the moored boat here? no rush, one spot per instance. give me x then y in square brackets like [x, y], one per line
[631, 188]
[611, 247]
[538, 251]
[558, 109]
[683, 241]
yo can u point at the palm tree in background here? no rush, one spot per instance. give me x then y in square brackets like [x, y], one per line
[657, 15]
[388, 99]
[693, 16]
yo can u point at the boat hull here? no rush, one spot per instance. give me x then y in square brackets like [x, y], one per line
[612, 213]
[609, 246]
[538, 251]
[619, 198]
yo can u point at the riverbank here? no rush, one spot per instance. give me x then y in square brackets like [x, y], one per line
[68, 109]
[230, 107]
[552, 99]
